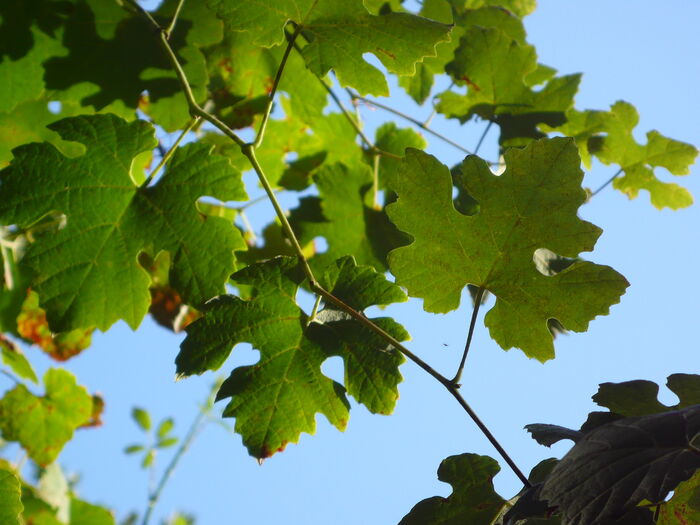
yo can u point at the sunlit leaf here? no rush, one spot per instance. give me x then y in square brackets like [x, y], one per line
[43, 425]
[495, 247]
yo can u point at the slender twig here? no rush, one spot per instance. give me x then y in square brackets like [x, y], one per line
[347, 114]
[607, 183]
[275, 84]
[356, 96]
[484, 429]
[249, 151]
[171, 26]
[483, 136]
[314, 310]
[168, 154]
[472, 324]
[11, 376]
[195, 428]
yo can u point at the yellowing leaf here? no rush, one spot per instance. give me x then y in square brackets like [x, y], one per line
[87, 273]
[532, 205]
[43, 425]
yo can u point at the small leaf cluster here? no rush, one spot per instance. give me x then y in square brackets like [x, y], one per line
[157, 439]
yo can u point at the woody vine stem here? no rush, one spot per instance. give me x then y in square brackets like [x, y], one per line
[248, 150]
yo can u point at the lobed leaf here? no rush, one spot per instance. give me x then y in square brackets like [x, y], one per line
[276, 399]
[338, 35]
[87, 273]
[617, 465]
[531, 206]
[43, 425]
[473, 499]
[10, 498]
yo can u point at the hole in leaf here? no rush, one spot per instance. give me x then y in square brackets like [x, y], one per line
[55, 107]
[549, 263]
[333, 368]
[320, 245]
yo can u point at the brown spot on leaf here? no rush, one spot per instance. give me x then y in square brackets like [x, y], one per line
[167, 309]
[469, 82]
[386, 53]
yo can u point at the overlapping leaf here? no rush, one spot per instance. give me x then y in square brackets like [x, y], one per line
[609, 136]
[344, 216]
[473, 499]
[532, 205]
[684, 505]
[276, 399]
[43, 425]
[505, 95]
[339, 33]
[617, 465]
[87, 273]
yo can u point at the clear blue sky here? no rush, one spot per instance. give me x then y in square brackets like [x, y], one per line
[645, 52]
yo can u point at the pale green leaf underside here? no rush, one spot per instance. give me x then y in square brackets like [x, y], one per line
[87, 273]
[532, 205]
[339, 33]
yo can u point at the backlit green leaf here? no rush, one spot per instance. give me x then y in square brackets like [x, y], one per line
[473, 499]
[43, 425]
[344, 216]
[84, 513]
[13, 357]
[338, 34]
[10, 501]
[277, 398]
[87, 273]
[142, 418]
[495, 247]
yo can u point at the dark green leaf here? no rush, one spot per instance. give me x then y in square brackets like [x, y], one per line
[473, 499]
[547, 435]
[616, 466]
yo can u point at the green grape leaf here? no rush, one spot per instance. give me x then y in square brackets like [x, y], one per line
[276, 399]
[13, 357]
[473, 499]
[26, 41]
[338, 35]
[142, 418]
[27, 123]
[87, 273]
[84, 513]
[97, 35]
[639, 398]
[617, 465]
[608, 135]
[684, 506]
[344, 216]
[518, 7]
[389, 137]
[10, 498]
[244, 71]
[505, 95]
[43, 425]
[638, 162]
[495, 247]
